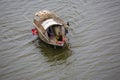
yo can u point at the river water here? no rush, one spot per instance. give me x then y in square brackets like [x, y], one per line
[94, 40]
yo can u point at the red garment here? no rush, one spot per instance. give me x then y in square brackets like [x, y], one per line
[34, 31]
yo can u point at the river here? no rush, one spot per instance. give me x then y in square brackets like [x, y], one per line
[94, 52]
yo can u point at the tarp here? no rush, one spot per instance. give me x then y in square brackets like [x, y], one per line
[49, 22]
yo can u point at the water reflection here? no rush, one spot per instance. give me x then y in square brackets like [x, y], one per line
[51, 53]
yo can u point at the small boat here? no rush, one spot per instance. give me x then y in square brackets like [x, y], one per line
[51, 28]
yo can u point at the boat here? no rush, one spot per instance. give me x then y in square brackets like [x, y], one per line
[51, 28]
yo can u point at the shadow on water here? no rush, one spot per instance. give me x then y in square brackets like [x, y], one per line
[52, 54]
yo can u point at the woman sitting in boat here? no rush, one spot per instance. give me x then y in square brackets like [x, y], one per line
[59, 37]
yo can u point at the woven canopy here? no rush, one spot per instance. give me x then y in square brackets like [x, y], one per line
[49, 22]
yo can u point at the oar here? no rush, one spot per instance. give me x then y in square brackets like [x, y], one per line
[69, 26]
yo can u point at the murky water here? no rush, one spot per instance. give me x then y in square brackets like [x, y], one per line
[94, 52]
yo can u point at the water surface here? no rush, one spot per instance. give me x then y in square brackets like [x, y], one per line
[94, 52]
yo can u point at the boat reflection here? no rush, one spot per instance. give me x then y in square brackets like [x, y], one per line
[53, 54]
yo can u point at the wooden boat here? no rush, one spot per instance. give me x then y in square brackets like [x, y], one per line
[51, 29]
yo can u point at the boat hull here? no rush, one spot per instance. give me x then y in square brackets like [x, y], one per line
[51, 29]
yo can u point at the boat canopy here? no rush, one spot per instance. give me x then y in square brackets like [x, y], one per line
[49, 22]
